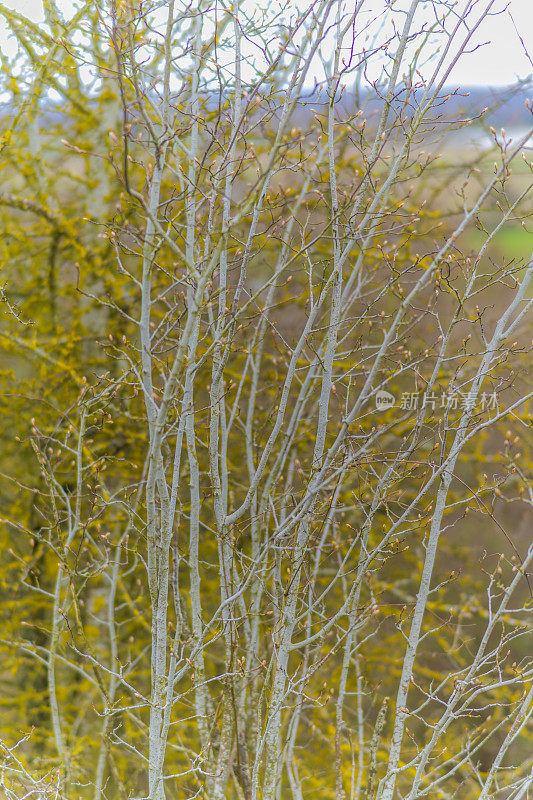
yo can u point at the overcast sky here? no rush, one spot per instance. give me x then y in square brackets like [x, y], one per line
[500, 61]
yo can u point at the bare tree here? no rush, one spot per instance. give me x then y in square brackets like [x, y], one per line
[306, 363]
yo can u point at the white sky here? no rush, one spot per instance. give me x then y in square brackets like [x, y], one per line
[498, 62]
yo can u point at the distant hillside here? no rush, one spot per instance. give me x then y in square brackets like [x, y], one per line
[506, 105]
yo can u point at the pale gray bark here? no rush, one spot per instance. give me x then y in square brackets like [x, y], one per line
[277, 293]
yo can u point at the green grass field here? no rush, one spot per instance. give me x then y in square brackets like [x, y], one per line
[512, 244]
